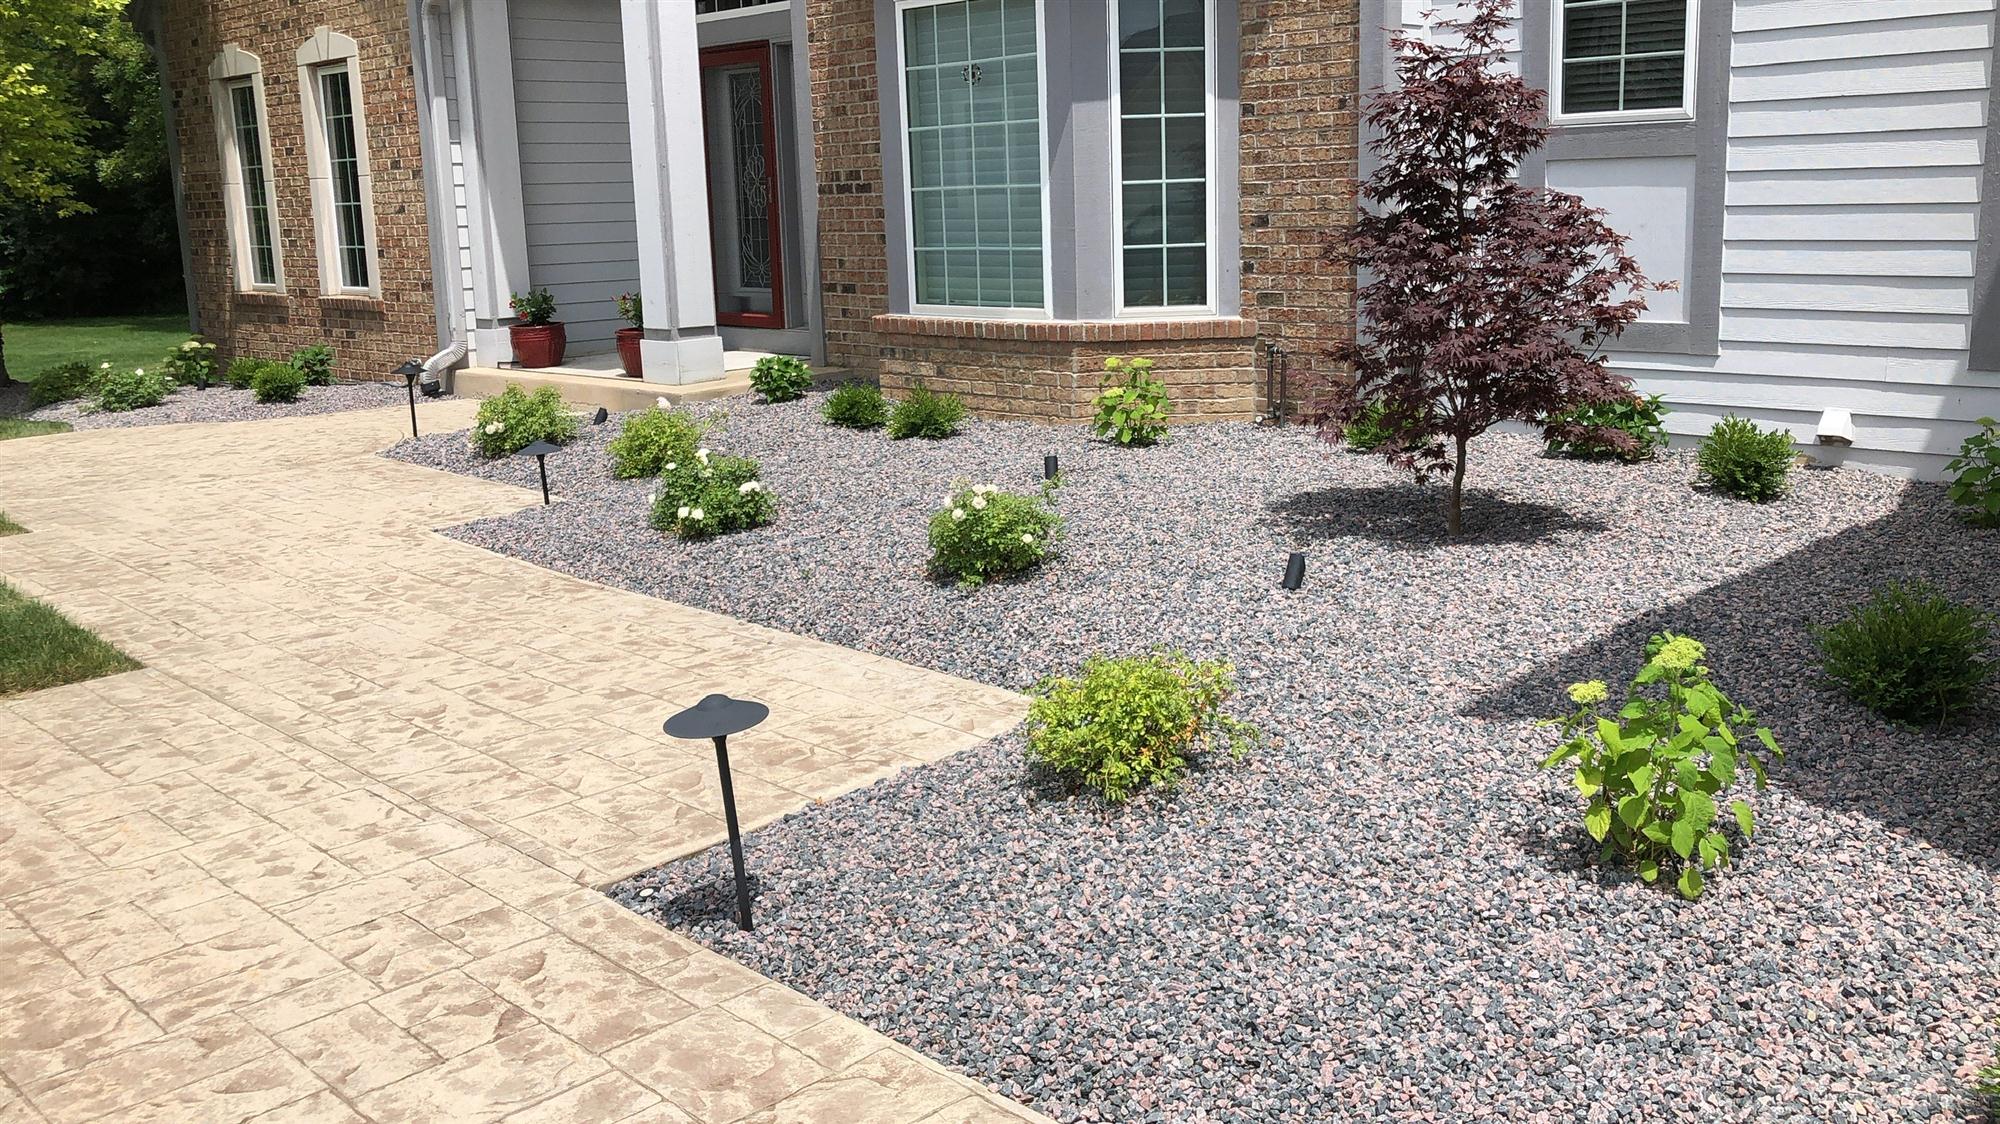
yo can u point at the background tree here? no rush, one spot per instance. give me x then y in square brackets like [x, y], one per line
[80, 125]
[1483, 301]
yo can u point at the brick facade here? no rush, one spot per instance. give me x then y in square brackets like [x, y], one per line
[1297, 153]
[369, 336]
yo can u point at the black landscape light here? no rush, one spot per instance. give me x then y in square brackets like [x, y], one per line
[540, 450]
[1049, 466]
[600, 416]
[1295, 570]
[717, 717]
[411, 370]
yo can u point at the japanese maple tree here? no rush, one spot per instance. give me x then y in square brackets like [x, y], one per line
[1482, 300]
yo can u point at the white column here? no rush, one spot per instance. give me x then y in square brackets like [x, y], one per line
[492, 151]
[670, 192]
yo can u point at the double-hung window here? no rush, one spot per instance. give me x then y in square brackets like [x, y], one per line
[1164, 89]
[337, 159]
[1629, 58]
[972, 105]
[238, 83]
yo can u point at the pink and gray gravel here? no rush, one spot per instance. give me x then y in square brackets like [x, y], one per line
[226, 404]
[1388, 912]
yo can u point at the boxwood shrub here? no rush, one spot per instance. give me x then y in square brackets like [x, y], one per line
[278, 382]
[1910, 654]
[1741, 460]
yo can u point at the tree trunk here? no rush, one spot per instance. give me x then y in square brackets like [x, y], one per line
[1456, 506]
[4, 379]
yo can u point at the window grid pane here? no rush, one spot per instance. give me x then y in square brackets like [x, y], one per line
[256, 198]
[1163, 151]
[344, 168]
[1623, 55]
[973, 120]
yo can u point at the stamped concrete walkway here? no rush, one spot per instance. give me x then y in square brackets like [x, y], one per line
[330, 856]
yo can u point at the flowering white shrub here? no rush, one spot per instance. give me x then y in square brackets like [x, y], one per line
[710, 494]
[514, 419]
[983, 532]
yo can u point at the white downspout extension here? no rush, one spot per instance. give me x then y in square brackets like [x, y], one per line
[437, 365]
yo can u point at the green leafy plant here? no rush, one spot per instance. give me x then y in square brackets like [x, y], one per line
[536, 307]
[658, 440]
[1910, 654]
[278, 382]
[133, 390]
[315, 362]
[1626, 429]
[1651, 774]
[243, 371]
[632, 310]
[65, 382]
[1975, 476]
[1365, 432]
[1126, 723]
[1987, 1086]
[711, 495]
[1744, 461]
[1132, 407]
[856, 405]
[927, 415]
[983, 533]
[514, 419]
[192, 363]
[781, 378]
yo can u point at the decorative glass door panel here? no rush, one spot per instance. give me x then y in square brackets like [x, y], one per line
[739, 121]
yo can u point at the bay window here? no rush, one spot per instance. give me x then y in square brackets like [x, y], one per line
[972, 138]
[1163, 93]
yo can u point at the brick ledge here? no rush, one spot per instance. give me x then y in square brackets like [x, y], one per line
[1067, 331]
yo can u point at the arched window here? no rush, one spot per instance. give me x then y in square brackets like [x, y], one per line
[336, 131]
[236, 83]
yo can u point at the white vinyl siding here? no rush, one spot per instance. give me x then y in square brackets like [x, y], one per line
[1855, 152]
[576, 161]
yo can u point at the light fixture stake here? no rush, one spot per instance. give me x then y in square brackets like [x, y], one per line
[1295, 570]
[410, 370]
[716, 717]
[1049, 466]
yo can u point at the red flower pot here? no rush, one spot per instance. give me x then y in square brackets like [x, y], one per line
[628, 350]
[537, 345]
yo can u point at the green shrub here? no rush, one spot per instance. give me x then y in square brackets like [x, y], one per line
[1131, 722]
[1744, 461]
[983, 533]
[658, 440]
[243, 370]
[927, 415]
[1132, 406]
[514, 419]
[192, 363]
[1910, 654]
[133, 390]
[711, 495]
[315, 363]
[781, 378]
[857, 405]
[1628, 430]
[1975, 476]
[278, 382]
[65, 382]
[1365, 433]
[1651, 773]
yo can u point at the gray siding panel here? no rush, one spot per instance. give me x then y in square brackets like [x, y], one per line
[576, 161]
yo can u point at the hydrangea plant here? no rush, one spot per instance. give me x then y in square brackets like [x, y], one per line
[1650, 774]
[1132, 406]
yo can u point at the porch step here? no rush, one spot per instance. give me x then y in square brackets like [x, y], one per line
[613, 392]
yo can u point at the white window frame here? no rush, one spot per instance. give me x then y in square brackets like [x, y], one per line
[754, 9]
[327, 50]
[908, 201]
[1209, 67]
[1682, 112]
[234, 66]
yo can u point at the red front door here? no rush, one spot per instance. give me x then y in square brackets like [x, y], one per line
[740, 123]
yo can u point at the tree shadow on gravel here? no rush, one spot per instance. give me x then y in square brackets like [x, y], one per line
[1412, 515]
[1941, 786]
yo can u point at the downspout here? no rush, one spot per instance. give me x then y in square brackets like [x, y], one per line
[433, 131]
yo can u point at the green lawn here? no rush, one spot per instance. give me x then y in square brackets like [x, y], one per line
[122, 341]
[41, 648]
[19, 427]
[9, 527]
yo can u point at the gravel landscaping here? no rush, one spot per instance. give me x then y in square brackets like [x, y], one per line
[1387, 912]
[223, 404]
